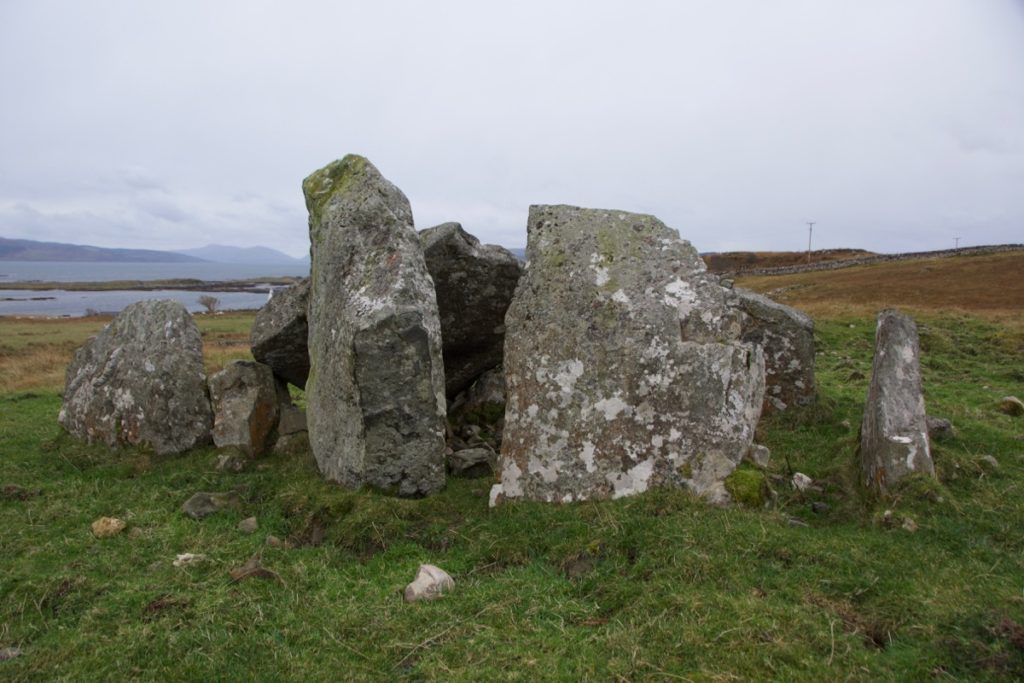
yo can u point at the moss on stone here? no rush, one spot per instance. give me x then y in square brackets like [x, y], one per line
[333, 178]
[747, 487]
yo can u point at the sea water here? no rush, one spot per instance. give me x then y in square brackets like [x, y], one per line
[63, 303]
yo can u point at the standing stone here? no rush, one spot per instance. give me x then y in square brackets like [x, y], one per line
[624, 365]
[279, 334]
[141, 381]
[245, 407]
[375, 393]
[474, 285]
[787, 337]
[894, 432]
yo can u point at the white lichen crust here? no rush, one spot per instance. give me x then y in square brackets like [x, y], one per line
[624, 366]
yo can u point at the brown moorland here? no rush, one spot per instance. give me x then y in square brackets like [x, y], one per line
[733, 261]
[34, 352]
[988, 285]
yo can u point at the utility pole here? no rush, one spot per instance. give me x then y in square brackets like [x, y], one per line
[810, 231]
[956, 243]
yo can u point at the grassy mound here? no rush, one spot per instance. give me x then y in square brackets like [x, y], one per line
[655, 587]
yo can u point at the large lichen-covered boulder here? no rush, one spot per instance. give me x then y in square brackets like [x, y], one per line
[474, 285]
[787, 337]
[245, 407]
[141, 381]
[894, 431]
[623, 363]
[375, 394]
[280, 334]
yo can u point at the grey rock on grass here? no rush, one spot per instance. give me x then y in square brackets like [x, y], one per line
[279, 334]
[1011, 405]
[939, 428]
[245, 404]
[474, 285]
[894, 431]
[141, 382]
[430, 582]
[201, 505]
[624, 364]
[375, 394]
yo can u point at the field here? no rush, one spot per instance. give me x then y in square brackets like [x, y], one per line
[928, 585]
[741, 260]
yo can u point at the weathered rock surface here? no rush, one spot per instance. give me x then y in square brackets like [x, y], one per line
[759, 455]
[279, 335]
[245, 407]
[894, 432]
[141, 382]
[430, 582]
[472, 463]
[939, 428]
[787, 337]
[375, 395]
[474, 285]
[624, 365]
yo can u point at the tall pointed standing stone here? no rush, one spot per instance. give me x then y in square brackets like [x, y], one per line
[375, 393]
[894, 432]
[624, 364]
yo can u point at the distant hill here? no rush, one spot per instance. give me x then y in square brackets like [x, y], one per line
[30, 250]
[221, 253]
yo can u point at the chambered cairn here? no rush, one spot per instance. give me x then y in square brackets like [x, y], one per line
[894, 431]
[141, 382]
[375, 392]
[624, 364]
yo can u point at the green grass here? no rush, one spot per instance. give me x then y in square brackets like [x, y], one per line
[655, 587]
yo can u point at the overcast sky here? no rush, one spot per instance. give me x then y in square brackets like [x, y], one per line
[895, 124]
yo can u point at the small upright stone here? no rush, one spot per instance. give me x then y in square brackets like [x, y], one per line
[894, 432]
[474, 285]
[375, 394]
[140, 382]
[623, 363]
[787, 337]
[279, 334]
[245, 406]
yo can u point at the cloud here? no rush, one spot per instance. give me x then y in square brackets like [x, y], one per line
[894, 125]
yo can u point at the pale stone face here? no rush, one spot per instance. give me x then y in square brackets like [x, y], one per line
[245, 406]
[375, 393]
[141, 382]
[623, 364]
[894, 432]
